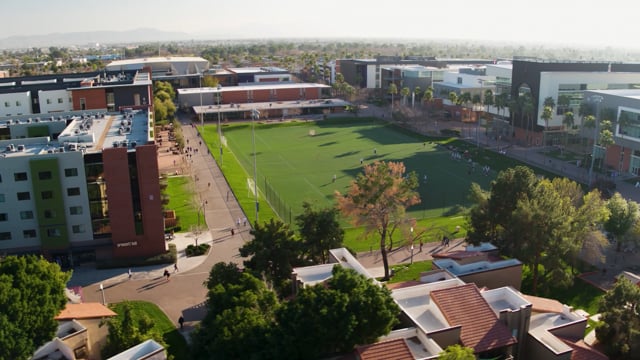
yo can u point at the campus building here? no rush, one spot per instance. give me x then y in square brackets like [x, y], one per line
[82, 183]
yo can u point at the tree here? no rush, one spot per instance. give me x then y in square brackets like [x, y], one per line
[378, 199]
[320, 232]
[392, 90]
[547, 114]
[427, 96]
[623, 215]
[126, 331]
[405, 91]
[334, 317]
[457, 352]
[273, 251]
[417, 93]
[619, 327]
[568, 121]
[31, 295]
[543, 223]
[240, 315]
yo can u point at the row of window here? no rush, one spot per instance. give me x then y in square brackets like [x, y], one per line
[49, 102]
[49, 214]
[45, 195]
[43, 175]
[53, 232]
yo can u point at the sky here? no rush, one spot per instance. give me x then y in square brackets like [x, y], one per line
[554, 22]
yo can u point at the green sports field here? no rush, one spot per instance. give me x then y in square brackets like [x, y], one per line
[296, 162]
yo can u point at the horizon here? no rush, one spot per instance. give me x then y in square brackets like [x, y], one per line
[552, 23]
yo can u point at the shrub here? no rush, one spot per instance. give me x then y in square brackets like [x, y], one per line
[193, 250]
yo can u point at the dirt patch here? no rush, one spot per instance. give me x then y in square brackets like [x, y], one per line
[170, 159]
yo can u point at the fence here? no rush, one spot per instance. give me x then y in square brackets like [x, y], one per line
[277, 203]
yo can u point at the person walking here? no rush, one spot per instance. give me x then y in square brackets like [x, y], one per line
[181, 322]
[130, 274]
[175, 267]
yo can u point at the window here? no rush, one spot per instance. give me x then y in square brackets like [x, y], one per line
[4, 217]
[53, 232]
[28, 234]
[75, 191]
[75, 210]
[6, 104]
[24, 196]
[46, 195]
[1, 198]
[77, 229]
[44, 175]
[59, 100]
[26, 215]
[48, 101]
[71, 172]
[49, 214]
[18, 103]
[0, 178]
[5, 235]
[21, 176]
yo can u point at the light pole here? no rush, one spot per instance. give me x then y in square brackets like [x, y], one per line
[255, 114]
[104, 302]
[597, 99]
[219, 126]
[412, 245]
[481, 81]
[200, 91]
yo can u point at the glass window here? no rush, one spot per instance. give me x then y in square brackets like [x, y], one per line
[18, 103]
[29, 233]
[75, 191]
[49, 214]
[21, 176]
[26, 215]
[3, 217]
[53, 232]
[59, 100]
[5, 235]
[47, 195]
[48, 101]
[24, 196]
[75, 210]
[71, 172]
[44, 175]
[77, 229]
[6, 104]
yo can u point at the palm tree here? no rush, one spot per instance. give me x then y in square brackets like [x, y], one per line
[464, 99]
[513, 109]
[428, 96]
[567, 121]
[405, 92]
[417, 92]
[393, 90]
[547, 114]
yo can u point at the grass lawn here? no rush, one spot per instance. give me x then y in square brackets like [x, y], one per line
[408, 272]
[177, 345]
[294, 166]
[182, 200]
[581, 295]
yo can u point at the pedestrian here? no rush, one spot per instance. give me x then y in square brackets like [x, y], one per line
[420, 245]
[238, 222]
[233, 232]
[181, 322]
[130, 274]
[334, 178]
[209, 185]
[175, 267]
[375, 151]
[361, 161]
[166, 274]
[244, 221]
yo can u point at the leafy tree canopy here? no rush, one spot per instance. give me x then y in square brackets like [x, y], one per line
[457, 352]
[320, 232]
[619, 328]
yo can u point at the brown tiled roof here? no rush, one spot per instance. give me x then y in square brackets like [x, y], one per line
[583, 351]
[84, 311]
[464, 306]
[387, 350]
[544, 305]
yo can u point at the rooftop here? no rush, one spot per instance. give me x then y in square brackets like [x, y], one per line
[463, 269]
[88, 310]
[541, 327]
[464, 306]
[396, 349]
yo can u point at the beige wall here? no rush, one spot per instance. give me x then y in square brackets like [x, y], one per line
[493, 279]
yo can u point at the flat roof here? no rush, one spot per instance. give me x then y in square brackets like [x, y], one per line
[275, 86]
[152, 60]
[274, 105]
[255, 69]
[88, 310]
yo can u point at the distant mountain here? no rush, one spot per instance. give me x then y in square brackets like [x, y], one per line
[91, 37]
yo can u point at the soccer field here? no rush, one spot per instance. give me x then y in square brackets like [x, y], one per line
[297, 162]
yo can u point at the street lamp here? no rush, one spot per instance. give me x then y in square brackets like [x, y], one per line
[200, 91]
[102, 290]
[255, 114]
[597, 99]
[219, 127]
[412, 245]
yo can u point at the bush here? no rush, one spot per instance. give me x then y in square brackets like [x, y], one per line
[193, 250]
[169, 257]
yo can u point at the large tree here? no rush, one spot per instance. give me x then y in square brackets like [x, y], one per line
[541, 222]
[378, 199]
[619, 327]
[273, 252]
[457, 352]
[320, 232]
[334, 317]
[127, 330]
[623, 215]
[240, 315]
[31, 295]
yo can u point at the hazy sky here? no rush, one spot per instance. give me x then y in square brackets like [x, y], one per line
[586, 22]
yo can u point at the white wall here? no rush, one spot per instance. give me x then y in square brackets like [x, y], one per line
[18, 103]
[371, 77]
[54, 101]
[550, 81]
